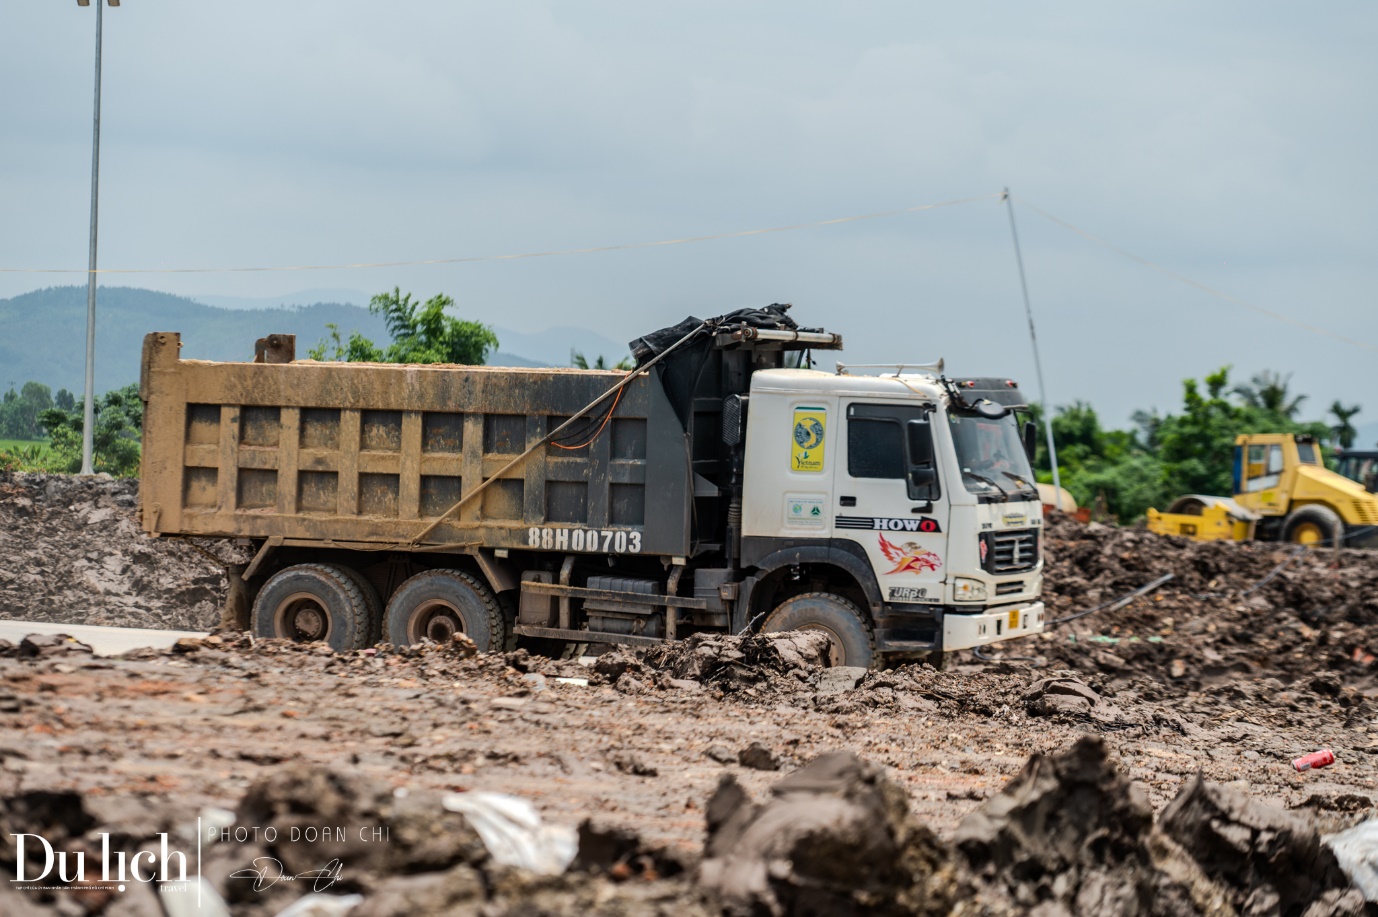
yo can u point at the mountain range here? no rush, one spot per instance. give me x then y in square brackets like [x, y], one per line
[43, 333]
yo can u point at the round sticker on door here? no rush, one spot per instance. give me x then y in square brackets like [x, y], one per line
[809, 427]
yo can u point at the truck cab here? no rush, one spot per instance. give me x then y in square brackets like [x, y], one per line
[1358, 465]
[923, 484]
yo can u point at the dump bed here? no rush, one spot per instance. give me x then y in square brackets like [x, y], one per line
[370, 455]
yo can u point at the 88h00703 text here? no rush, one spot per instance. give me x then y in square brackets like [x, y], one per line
[605, 541]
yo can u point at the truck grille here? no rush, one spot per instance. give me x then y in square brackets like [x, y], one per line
[1364, 511]
[1009, 552]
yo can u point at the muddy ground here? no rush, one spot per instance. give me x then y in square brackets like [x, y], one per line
[1250, 657]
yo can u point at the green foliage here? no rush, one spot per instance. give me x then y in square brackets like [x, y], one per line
[579, 361]
[420, 332]
[1344, 431]
[1174, 454]
[119, 426]
[19, 411]
[358, 349]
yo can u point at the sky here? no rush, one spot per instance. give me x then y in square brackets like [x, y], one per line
[1231, 142]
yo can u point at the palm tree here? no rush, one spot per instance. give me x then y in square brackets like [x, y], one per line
[579, 361]
[1268, 391]
[1344, 431]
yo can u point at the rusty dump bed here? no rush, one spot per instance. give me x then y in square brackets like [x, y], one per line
[363, 455]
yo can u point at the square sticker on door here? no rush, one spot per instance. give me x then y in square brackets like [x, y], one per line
[806, 452]
[804, 511]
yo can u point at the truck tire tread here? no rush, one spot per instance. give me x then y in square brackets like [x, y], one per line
[372, 602]
[786, 610]
[353, 634]
[492, 607]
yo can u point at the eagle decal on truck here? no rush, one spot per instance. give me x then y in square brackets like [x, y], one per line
[908, 559]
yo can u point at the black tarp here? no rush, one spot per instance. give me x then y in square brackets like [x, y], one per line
[681, 372]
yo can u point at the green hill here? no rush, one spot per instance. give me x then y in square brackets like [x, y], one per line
[43, 333]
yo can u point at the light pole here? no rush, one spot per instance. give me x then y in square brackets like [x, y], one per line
[88, 422]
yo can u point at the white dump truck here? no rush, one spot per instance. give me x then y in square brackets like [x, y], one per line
[722, 485]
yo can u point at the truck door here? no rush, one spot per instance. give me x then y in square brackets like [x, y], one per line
[889, 499]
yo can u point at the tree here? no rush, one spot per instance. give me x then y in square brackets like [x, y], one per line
[579, 361]
[64, 400]
[119, 425]
[1268, 391]
[19, 411]
[420, 332]
[1344, 431]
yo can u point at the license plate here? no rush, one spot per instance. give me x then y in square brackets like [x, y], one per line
[1014, 619]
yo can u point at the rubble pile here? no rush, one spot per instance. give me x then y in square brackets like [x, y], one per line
[750, 666]
[74, 554]
[1070, 834]
[1233, 609]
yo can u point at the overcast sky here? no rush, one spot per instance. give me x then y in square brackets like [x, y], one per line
[1230, 141]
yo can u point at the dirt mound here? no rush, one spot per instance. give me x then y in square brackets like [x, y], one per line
[1232, 609]
[73, 553]
[1071, 835]
[755, 665]
[836, 837]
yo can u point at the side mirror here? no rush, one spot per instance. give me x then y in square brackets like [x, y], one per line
[920, 443]
[990, 410]
[1030, 440]
[922, 477]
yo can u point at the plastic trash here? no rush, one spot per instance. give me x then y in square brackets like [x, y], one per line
[513, 832]
[1357, 851]
[1323, 758]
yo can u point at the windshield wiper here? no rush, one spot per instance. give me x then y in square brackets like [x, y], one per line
[1023, 483]
[982, 478]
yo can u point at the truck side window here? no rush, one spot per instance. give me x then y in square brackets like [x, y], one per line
[1264, 468]
[1306, 453]
[875, 448]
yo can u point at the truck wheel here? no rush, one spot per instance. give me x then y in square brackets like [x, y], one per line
[310, 602]
[838, 618]
[438, 604]
[371, 600]
[1313, 524]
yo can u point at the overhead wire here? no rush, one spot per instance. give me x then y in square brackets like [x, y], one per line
[471, 259]
[1191, 282]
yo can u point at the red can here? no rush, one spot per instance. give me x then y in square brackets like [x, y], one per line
[1323, 758]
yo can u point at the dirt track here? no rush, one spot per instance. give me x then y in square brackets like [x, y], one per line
[1232, 686]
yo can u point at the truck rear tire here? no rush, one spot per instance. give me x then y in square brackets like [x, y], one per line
[838, 618]
[1313, 524]
[313, 602]
[372, 602]
[437, 604]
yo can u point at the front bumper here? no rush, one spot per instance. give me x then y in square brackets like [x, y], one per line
[962, 632]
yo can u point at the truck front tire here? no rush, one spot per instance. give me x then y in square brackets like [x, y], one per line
[313, 602]
[1314, 524]
[437, 604]
[838, 618]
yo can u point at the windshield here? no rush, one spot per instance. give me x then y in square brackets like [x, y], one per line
[991, 455]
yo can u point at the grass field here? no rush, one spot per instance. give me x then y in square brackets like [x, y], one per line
[14, 445]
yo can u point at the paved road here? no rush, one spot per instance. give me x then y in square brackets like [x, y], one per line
[106, 641]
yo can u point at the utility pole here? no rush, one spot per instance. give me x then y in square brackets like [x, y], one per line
[1038, 364]
[88, 422]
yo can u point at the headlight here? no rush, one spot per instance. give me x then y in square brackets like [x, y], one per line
[968, 590]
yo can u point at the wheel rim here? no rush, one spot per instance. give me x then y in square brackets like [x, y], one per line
[837, 654]
[302, 617]
[1308, 533]
[436, 620]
